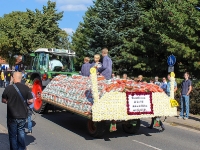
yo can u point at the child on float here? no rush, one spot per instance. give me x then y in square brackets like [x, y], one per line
[85, 69]
[96, 62]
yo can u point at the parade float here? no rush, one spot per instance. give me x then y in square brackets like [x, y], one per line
[109, 101]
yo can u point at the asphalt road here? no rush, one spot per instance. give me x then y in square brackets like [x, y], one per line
[65, 131]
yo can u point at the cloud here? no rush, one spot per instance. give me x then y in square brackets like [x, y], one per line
[73, 8]
[68, 30]
[71, 5]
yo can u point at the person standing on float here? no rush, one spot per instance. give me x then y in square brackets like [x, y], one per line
[106, 68]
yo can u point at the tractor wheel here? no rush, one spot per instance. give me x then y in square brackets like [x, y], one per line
[131, 127]
[96, 129]
[39, 105]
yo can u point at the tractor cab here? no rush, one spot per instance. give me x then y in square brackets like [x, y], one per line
[46, 63]
[52, 60]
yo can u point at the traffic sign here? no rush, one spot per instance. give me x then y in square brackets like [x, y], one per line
[171, 60]
[171, 69]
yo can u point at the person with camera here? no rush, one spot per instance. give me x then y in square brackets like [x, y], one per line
[17, 97]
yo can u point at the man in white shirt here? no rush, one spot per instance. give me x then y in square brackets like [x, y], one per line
[55, 63]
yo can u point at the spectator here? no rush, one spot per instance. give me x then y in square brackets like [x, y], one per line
[106, 68]
[186, 88]
[85, 69]
[118, 77]
[140, 78]
[168, 85]
[17, 111]
[164, 85]
[156, 81]
[8, 77]
[30, 112]
[2, 79]
[113, 76]
[125, 76]
[151, 81]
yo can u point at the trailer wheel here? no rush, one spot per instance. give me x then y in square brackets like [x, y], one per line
[96, 129]
[39, 105]
[131, 127]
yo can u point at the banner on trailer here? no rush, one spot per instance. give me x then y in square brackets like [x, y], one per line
[139, 103]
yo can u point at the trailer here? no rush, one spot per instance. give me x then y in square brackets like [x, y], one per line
[100, 101]
[109, 101]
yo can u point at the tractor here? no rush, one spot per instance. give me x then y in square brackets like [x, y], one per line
[46, 63]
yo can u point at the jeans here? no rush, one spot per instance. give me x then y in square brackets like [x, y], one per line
[29, 123]
[16, 131]
[185, 105]
[7, 83]
[1, 83]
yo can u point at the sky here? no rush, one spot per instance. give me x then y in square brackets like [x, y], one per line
[74, 10]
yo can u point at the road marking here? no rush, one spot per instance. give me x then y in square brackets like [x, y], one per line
[146, 145]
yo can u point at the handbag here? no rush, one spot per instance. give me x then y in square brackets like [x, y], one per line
[22, 98]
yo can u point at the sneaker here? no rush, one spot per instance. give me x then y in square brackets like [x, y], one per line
[180, 117]
[185, 118]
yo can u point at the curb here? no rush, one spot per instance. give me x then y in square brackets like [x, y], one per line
[3, 129]
[184, 125]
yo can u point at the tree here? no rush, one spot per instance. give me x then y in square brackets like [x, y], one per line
[175, 26]
[108, 24]
[22, 32]
[140, 35]
[80, 39]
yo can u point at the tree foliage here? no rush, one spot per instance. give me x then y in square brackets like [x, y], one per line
[22, 32]
[140, 35]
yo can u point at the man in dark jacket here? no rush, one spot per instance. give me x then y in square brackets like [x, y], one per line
[17, 111]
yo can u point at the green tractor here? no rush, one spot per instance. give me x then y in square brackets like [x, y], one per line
[46, 63]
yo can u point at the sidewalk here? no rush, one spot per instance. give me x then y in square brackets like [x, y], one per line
[193, 122]
[4, 143]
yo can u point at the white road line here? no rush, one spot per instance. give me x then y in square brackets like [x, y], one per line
[146, 145]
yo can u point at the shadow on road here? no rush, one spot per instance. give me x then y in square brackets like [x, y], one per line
[30, 140]
[194, 118]
[4, 142]
[77, 125]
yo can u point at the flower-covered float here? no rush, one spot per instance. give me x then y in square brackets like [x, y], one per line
[115, 101]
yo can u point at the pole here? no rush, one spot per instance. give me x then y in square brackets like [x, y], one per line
[172, 78]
